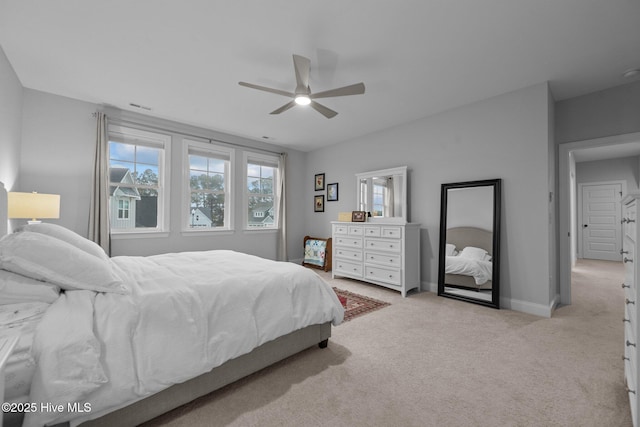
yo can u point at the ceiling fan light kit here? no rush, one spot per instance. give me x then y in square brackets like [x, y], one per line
[303, 95]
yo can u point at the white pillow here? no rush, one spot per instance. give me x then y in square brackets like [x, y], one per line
[68, 236]
[15, 288]
[46, 258]
[451, 250]
[471, 252]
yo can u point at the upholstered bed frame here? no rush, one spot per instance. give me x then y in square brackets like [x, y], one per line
[462, 237]
[179, 394]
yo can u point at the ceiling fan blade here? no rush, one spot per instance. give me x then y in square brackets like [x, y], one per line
[285, 107]
[356, 89]
[301, 66]
[268, 89]
[327, 112]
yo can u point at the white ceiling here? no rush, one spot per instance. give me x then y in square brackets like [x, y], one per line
[183, 59]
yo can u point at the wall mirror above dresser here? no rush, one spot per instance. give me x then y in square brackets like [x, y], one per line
[469, 267]
[383, 193]
[384, 249]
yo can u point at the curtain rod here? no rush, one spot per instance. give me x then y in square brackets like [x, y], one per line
[211, 140]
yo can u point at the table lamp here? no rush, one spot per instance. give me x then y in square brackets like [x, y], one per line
[33, 206]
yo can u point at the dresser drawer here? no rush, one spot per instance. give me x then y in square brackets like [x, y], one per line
[628, 258]
[392, 232]
[390, 276]
[348, 268]
[383, 245]
[630, 320]
[349, 254]
[391, 260]
[629, 220]
[350, 242]
[356, 230]
[372, 231]
[340, 229]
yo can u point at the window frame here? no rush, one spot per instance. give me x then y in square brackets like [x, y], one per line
[267, 159]
[213, 149]
[139, 137]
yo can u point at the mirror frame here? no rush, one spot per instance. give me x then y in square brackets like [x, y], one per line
[495, 296]
[402, 171]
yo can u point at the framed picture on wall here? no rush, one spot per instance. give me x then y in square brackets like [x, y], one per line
[319, 182]
[318, 203]
[332, 192]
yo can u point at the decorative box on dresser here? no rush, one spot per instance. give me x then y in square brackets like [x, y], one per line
[385, 254]
[630, 241]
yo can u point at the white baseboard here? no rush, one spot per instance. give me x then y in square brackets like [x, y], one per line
[511, 304]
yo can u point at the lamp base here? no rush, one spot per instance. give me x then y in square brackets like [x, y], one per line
[34, 221]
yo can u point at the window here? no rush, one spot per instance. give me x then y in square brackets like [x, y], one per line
[137, 169]
[123, 209]
[208, 183]
[261, 191]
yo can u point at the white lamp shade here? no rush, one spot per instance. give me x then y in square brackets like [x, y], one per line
[33, 205]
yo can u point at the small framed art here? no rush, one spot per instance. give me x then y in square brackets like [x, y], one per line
[358, 216]
[319, 182]
[318, 203]
[332, 192]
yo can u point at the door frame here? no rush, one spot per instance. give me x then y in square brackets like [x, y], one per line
[580, 244]
[567, 203]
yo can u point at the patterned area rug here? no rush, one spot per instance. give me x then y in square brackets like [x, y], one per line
[356, 305]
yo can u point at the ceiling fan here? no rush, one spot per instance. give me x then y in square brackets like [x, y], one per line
[303, 95]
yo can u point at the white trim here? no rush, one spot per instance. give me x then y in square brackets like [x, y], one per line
[529, 307]
[566, 164]
[138, 235]
[214, 150]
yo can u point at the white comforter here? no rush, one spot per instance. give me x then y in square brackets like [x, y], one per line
[480, 270]
[187, 313]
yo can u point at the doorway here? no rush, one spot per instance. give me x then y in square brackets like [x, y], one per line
[618, 146]
[600, 237]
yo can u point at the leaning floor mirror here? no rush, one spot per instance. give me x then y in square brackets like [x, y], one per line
[469, 268]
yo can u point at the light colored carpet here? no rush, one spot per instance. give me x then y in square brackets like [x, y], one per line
[432, 361]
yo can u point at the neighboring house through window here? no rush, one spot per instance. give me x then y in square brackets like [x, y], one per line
[261, 199]
[208, 186]
[137, 167]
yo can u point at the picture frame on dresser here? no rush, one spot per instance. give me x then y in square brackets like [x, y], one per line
[358, 216]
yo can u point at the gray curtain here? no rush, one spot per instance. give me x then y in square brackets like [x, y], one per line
[99, 209]
[282, 209]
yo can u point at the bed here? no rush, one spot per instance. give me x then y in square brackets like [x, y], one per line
[468, 262]
[94, 330]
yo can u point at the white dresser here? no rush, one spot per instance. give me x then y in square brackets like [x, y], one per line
[631, 309]
[386, 254]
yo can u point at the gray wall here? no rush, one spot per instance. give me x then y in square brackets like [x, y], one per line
[502, 137]
[58, 142]
[10, 123]
[622, 169]
[615, 111]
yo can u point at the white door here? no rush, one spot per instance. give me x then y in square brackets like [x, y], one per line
[601, 227]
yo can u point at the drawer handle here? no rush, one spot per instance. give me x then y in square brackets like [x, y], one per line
[631, 220]
[628, 301]
[391, 276]
[626, 320]
[625, 260]
[391, 260]
[622, 252]
[630, 344]
[625, 358]
[629, 390]
[390, 246]
[623, 220]
[355, 255]
[625, 286]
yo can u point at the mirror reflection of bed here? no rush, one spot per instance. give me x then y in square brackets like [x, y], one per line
[469, 242]
[468, 266]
